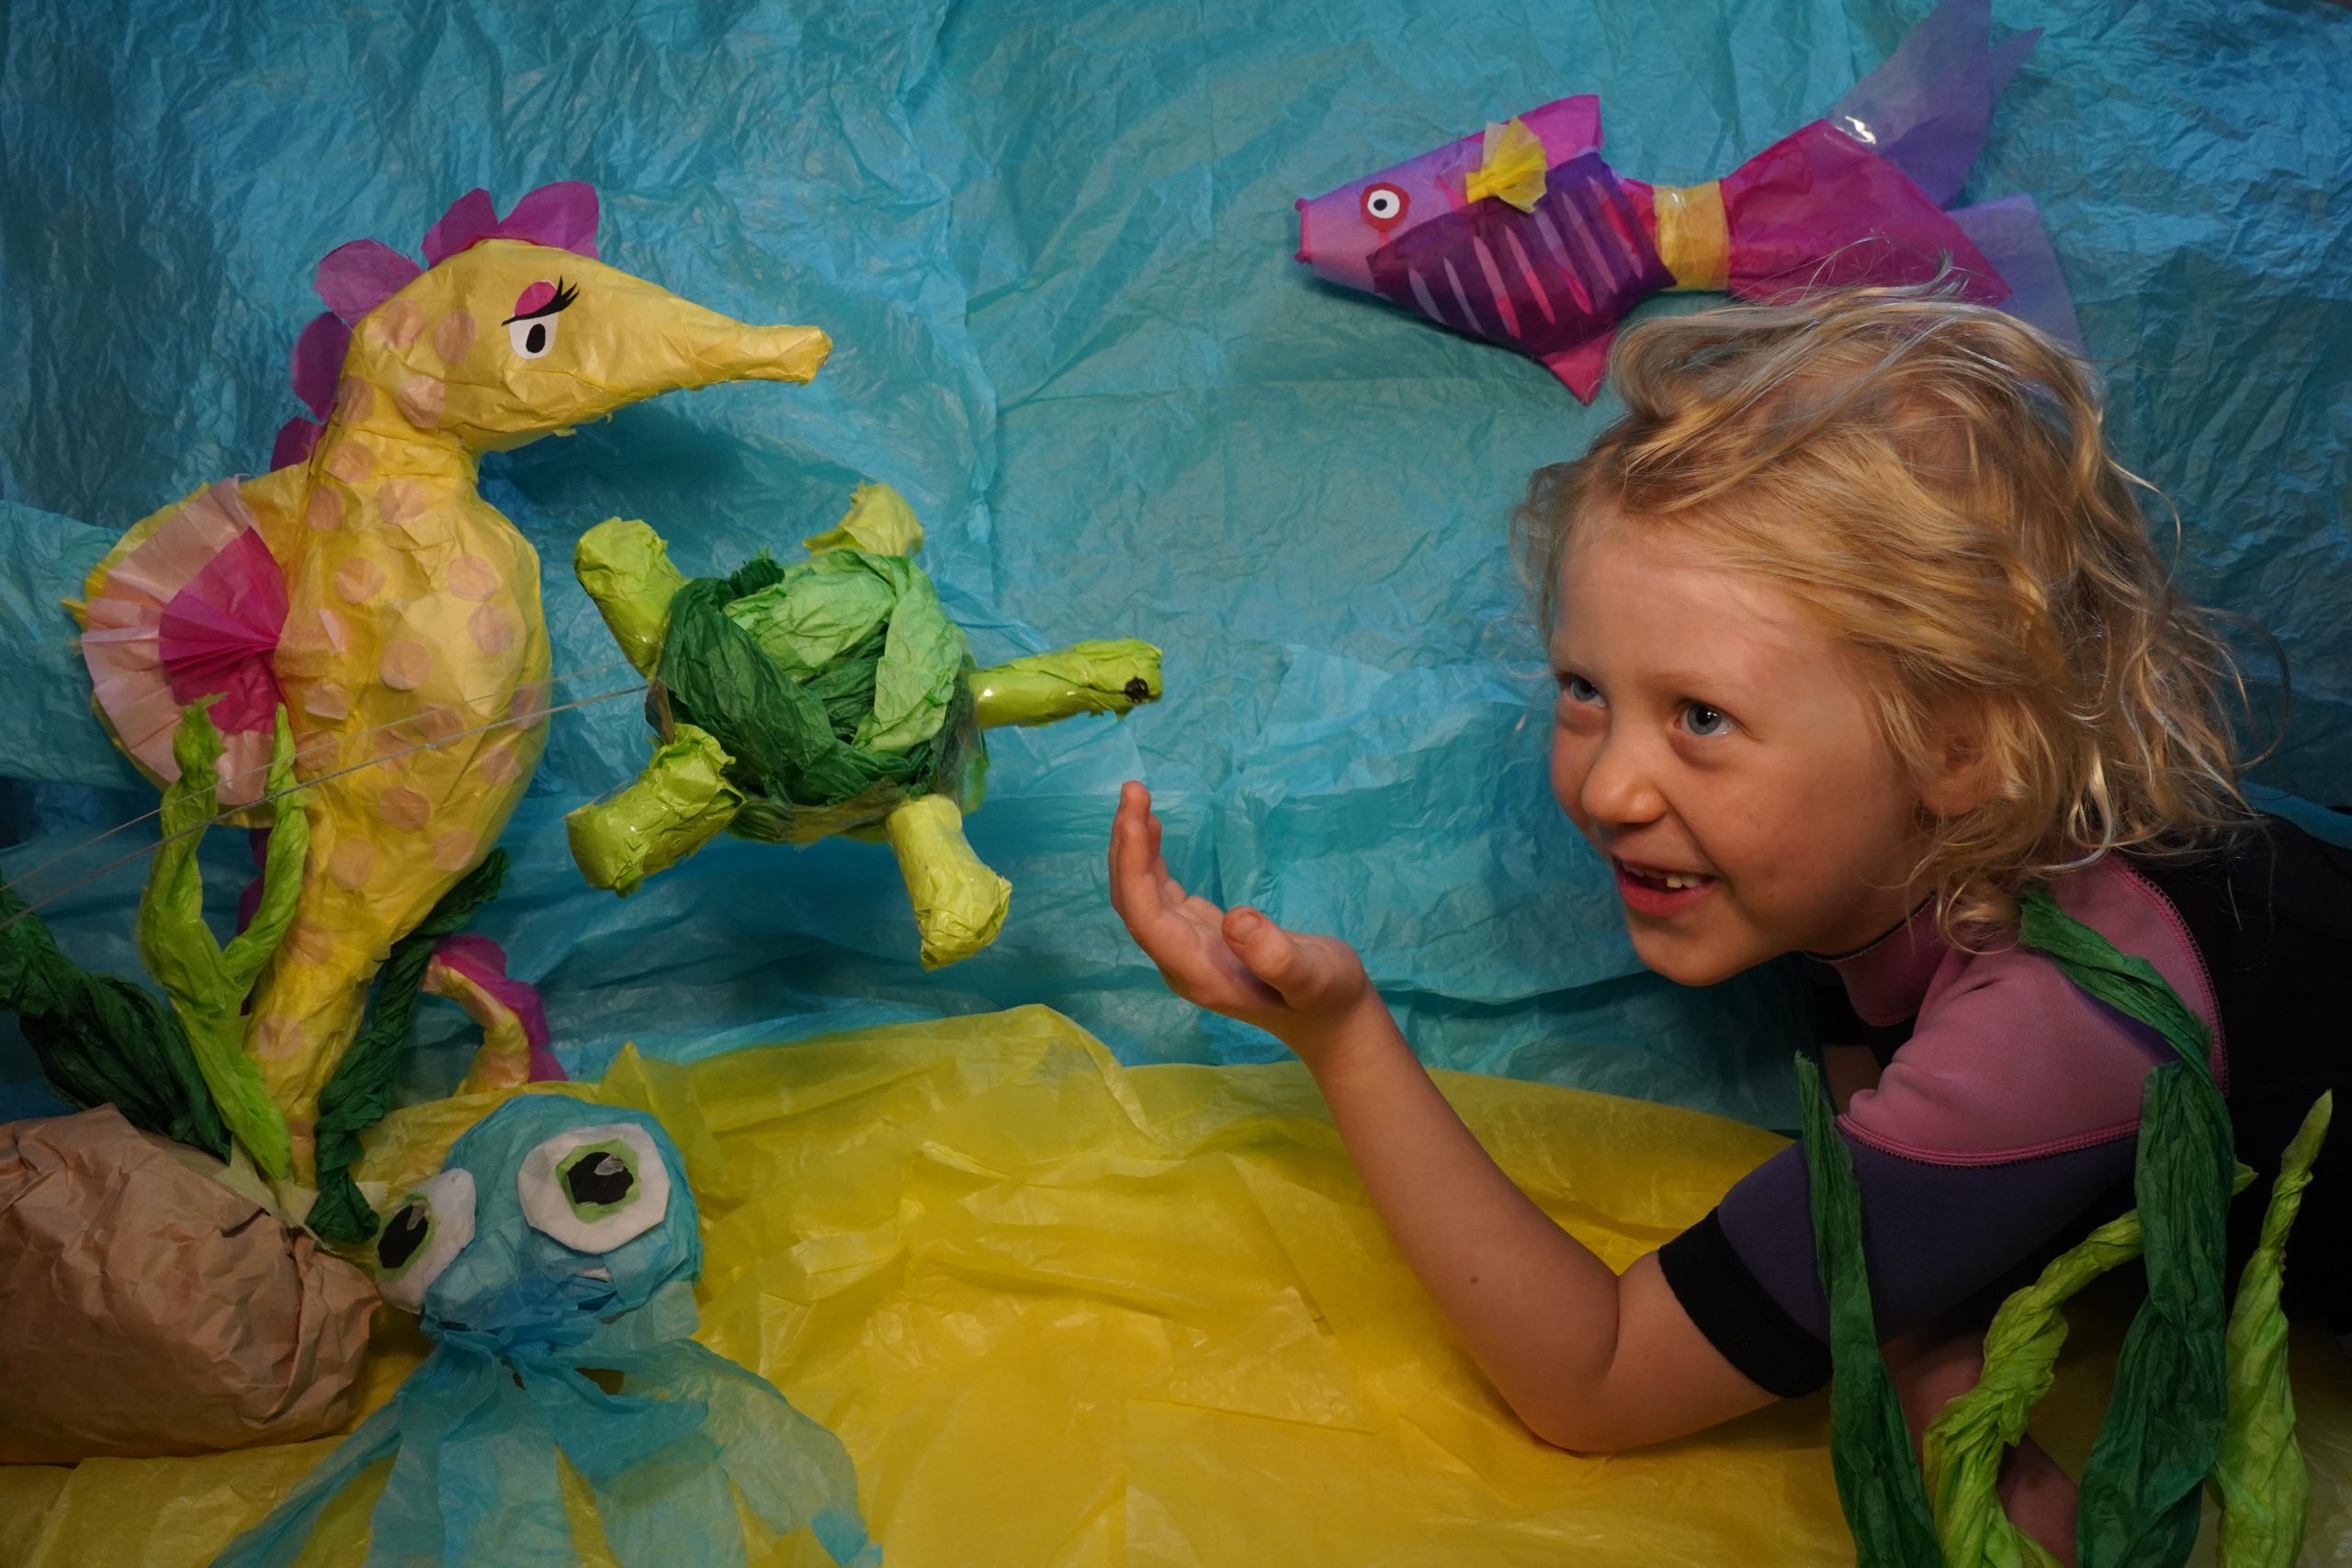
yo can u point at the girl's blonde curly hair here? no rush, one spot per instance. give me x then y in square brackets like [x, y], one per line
[1929, 479]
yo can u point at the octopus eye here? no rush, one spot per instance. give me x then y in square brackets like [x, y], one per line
[423, 1237]
[1384, 206]
[596, 1187]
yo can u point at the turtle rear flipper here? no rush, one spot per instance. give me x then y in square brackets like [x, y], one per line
[959, 903]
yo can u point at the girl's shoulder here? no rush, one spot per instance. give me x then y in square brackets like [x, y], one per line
[2007, 1059]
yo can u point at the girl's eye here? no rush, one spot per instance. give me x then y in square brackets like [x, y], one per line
[1705, 722]
[1577, 689]
[1384, 206]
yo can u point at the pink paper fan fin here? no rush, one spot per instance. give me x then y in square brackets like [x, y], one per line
[195, 611]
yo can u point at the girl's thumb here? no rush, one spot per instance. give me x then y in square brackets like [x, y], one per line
[1264, 948]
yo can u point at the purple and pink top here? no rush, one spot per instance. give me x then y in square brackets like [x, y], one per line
[2004, 1124]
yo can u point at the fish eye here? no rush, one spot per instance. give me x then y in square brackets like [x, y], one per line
[1385, 205]
[422, 1236]
[594, 1188]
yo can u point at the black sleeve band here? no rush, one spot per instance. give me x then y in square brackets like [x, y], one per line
[1739, 1317]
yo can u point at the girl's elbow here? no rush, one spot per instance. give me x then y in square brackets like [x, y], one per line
[1584, 1428]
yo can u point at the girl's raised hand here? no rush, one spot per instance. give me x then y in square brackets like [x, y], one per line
[1301, 989]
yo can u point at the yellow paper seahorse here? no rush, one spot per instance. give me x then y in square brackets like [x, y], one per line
[409, 646]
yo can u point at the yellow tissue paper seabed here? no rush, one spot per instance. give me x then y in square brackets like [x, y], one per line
[1064, 1313]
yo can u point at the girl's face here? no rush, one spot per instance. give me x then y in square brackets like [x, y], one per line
[1715, 746]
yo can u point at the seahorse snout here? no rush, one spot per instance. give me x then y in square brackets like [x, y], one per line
[774, 353]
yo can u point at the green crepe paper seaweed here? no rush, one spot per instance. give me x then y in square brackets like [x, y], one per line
[359, 1094]
[1870, 1448]
[2266, 1491]
[1964, 1445]
[101, 1039]
[2164, 1425]
[2189, 1401]
[208, 983]
[828, 696]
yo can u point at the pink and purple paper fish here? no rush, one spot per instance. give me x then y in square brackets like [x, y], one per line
[1523, 236]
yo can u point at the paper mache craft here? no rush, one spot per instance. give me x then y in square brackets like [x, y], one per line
[551, 1262]
[832, 695]
[348, 657]
[366, 591]
[1523, 236]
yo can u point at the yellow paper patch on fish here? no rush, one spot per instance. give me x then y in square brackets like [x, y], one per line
[1511, 165]
[1068, 1313]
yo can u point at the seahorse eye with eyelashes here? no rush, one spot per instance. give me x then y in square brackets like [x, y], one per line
[531, 329]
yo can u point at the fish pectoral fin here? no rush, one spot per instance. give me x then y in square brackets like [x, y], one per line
[1580, 368]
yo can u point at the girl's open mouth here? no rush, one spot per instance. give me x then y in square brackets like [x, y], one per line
[1650, 890]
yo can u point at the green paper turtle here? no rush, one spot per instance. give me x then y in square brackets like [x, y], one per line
[831, 695]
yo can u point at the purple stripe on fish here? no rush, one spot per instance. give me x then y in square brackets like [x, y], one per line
[1568, 272]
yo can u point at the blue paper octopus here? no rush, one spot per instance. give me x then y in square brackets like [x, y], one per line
[558, 1239]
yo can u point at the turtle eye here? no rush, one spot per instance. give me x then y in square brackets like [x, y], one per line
[1385, 205]
[422, 1236]
[594, 1188]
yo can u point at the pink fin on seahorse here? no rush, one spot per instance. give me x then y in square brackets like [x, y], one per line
[562, 215]
[194, 611]
[356, 279]
[1582, 367]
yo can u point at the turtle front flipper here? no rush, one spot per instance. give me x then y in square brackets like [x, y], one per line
[1086, 677]
[679, 803]
[959, 903]
[625, 568]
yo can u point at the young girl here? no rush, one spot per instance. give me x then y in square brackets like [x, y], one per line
[1858, 633]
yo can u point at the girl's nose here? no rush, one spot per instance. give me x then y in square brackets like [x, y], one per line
[1619, 789]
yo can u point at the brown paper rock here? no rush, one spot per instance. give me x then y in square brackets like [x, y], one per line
[147, 1309]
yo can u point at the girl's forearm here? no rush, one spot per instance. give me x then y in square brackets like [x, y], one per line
[1535, 1308]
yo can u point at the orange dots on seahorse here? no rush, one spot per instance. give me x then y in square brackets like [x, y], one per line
[452, 335]
[353, 861]
[499, 766]
[438, 723]
[470, 577]
[274, 1038]
[352, 462]
[400, 322]
[454, 851]
[529, 705]
[310, 644]
[420, 398]
[327, 700]
[355, 400]
[491, 628]
[308, 942]
[404, 807]
[358, 580]
[400, 501]
[404, 665]
[324, 510]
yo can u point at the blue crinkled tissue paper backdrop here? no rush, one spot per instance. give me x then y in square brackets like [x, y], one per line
[1054, 244]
